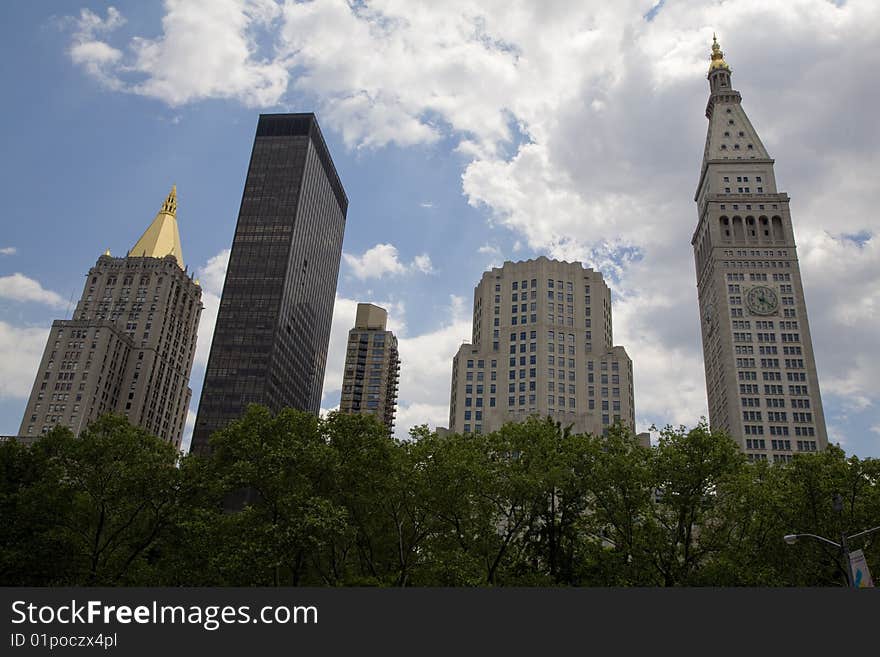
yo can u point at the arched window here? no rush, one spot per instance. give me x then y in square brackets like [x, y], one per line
[738, 232]
[750, 223]
[725, 227]
[778, 232]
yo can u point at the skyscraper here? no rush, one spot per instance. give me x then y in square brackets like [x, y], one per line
[542, 344]
[273, 327]
[130, 345]
[372, 367]
[760, 372]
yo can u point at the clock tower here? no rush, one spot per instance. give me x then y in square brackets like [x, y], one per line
[761, 378]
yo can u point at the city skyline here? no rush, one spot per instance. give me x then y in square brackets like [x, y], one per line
[624, 147]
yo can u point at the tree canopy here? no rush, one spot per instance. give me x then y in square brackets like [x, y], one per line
[291, 499]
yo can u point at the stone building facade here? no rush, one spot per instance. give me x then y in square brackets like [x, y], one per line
[130, 345]
[761, 378]
[542, 344]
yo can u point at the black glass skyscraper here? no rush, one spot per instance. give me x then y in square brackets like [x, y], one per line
[273, 327]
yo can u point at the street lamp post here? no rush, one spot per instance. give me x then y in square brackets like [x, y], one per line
[843, 546]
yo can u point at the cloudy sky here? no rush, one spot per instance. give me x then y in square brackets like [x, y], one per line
[466, 133]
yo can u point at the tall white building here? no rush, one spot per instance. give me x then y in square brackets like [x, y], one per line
[761, 376]
[542, 344]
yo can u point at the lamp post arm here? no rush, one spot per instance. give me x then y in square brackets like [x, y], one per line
[864, 533]
[820, 538]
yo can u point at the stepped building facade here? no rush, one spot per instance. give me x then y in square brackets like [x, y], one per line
[542, 344]
[130, 344]
[761, 378]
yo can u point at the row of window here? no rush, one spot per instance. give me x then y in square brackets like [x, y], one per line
[781, 445]
[790, 363]
[756, 264]
[524, 285]
[771, 402]
[773, 416]
[768, 350]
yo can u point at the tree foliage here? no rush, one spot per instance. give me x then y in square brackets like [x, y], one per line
[291, 499]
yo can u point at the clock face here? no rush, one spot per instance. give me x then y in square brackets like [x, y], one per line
[761, 300]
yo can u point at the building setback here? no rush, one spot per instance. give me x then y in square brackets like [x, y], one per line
[761, 377]
[130, 345]
[372, 367]
[542, 344]
[273, 326]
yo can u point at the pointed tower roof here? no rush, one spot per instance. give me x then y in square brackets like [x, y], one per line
[731, 135]
[161, 237]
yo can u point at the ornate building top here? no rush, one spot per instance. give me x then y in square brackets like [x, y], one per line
[162, 237]
[717, 57]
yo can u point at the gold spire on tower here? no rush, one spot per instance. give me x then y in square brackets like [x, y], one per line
[717, 56]
[170, 204]
[161, 237]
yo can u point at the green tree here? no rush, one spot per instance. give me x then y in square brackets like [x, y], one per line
[379, 483]
[768, 502]
[95, 507]
[260, 513]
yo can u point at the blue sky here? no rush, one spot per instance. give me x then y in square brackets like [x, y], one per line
[465, 134]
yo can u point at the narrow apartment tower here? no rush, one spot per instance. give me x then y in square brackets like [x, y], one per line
[130, 345]
[372, 367]
[761, 378]
[542, 345]
[273, 327]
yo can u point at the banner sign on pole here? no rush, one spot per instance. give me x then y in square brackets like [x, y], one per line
[861, 574]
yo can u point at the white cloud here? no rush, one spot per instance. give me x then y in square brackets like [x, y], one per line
[426, 204]
[384, 260]
[96, 57]
[20, 351]
[426, 369]
[376, 262]
[8, 250]
[208, 49]
[18, 287]
[330, 409]
[422, 263]
[188, 427]
[416, 413]
[842, 292]
[211, 276]
[496, 258]
[213, 273]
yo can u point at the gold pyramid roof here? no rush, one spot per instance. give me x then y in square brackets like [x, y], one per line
[162, 237]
